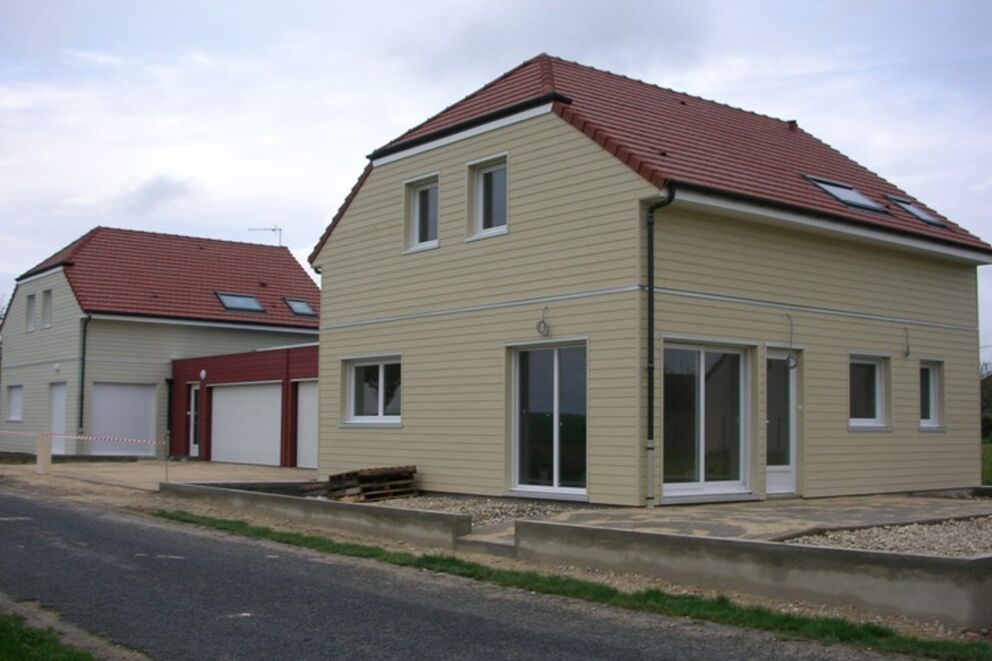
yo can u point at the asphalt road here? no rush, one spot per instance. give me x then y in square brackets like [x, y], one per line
[175, 592]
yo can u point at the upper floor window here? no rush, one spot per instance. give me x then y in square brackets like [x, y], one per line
[867, 391]
[240, 302]
[847, 194]
[29, 313]
[46, 308]
[300, 307]
[929, 394]
[422, 200]
[490, 192]
[15, 403]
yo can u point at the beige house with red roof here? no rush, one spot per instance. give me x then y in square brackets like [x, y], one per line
[571, 284]
[91, 332]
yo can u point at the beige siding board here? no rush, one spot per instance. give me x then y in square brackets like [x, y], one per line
[29, 358]
[702, 253]
[567, 197]
[455, 404]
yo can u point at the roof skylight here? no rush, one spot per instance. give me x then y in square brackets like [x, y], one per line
[300, 307]
[910, 207]
[240, 302]
[847, 194]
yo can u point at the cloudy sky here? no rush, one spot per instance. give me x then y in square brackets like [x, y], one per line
[211, 118]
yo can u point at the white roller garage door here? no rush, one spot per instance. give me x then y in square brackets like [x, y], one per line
[306, 424]
[245, 423]
[126, 411]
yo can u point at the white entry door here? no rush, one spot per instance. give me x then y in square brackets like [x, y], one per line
[306, 424]
[246, 423]
[56, 416]
[193, 418]
[123, 411]
[781, 423]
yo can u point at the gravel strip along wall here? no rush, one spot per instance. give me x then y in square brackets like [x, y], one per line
[952, 590]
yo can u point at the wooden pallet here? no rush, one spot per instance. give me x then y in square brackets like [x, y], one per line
[370, 484]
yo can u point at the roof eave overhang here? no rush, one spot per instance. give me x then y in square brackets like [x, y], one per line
[475, 122]
[233, 324]
[756, 209]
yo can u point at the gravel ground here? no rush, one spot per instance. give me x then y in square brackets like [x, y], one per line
[950, 538]
[484, 511]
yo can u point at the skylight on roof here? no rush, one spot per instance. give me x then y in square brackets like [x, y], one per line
[240, 302]
[847, 194]
[910, 207]
[300, 307]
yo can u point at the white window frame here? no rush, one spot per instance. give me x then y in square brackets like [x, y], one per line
[880, 363]
[29, 313]
[723, 487]
[479, 169]
[19, 417]
[576, 493]
[413, 188]
[381, 419]
[935, 376]
[46, 308]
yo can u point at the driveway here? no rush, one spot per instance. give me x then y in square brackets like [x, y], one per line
[180, 593]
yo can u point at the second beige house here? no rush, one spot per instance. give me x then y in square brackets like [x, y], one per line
[575, 285]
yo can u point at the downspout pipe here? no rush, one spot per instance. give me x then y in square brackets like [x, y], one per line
[82, 372]
[650, 444]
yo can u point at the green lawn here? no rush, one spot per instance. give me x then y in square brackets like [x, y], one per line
[986, 463]
[20, 642]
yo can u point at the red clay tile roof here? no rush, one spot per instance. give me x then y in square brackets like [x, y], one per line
[665, 136]
[128, 272]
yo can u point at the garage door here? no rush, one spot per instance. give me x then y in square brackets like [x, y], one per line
[245, 423]
[306, 425]
[123, 410]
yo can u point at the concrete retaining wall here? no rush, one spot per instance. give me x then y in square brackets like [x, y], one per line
[953, 590]
[418, 526]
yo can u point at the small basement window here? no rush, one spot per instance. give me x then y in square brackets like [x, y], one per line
[240, 302]
[300, 307]
[847, 194]
[910, 207]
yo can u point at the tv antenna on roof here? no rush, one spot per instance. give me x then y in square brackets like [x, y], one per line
[275, 228]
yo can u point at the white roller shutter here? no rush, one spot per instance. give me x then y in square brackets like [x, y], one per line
[306, 424]
[125, 411]
[245, 422]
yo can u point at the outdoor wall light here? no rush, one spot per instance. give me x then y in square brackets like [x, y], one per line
[203, 375]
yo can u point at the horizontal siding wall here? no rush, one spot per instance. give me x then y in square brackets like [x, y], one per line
[456, 396]
[38, 358]
[137, 352]
[572, 221]
[734, 258]
[707, 254]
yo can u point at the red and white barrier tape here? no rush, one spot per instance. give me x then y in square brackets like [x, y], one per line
[103, 439]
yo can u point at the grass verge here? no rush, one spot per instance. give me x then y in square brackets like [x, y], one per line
[20, 642]
[987, 463]
[719, 609]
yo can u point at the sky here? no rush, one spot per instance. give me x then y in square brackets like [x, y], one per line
[212, 118]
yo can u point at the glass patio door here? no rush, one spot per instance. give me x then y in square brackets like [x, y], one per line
[781, 423]
[704, 430]
[551, 419]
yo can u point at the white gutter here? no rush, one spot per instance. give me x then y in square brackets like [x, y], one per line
[206, 324]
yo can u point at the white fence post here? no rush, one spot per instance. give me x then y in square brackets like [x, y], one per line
[44, 453]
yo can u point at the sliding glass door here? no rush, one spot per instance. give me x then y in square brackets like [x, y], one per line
[704, 420]
[551, 419]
